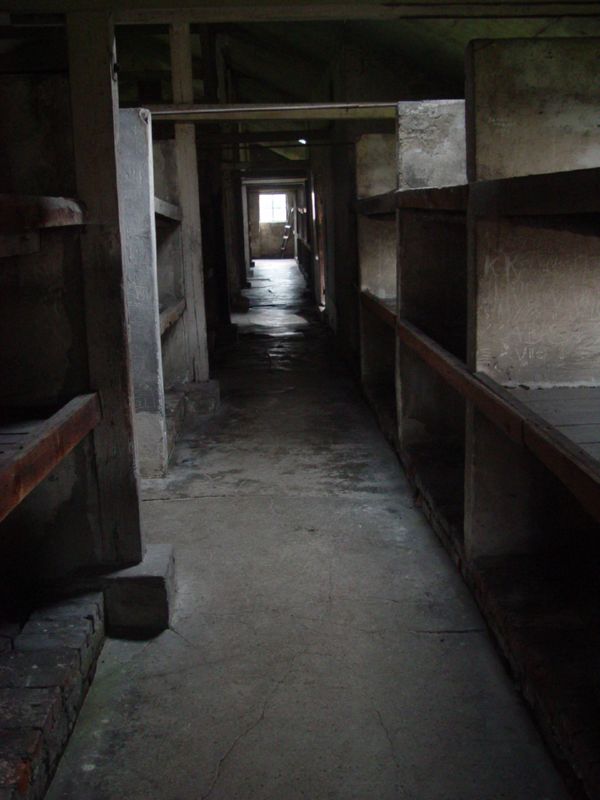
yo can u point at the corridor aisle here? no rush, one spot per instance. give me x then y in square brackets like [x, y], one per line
[323, 645]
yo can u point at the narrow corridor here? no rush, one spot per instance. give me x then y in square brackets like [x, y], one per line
[323, 646]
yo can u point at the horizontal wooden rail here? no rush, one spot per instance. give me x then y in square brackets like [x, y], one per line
[383, 309]
[29, 451]
[442, 198]
[303, 111]
[30, 212]
[553, 193]
[578, 471]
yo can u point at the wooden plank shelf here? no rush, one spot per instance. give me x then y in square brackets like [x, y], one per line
[167, 211]
[444, 198]
[384, 308]
[31, 449]
[31, 212]
[170, 315]
[567, 460]
[548, 194]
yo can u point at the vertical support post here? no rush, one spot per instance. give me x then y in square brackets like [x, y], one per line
[138, 234]
[187, 167]
[94, 103]
[246, 224]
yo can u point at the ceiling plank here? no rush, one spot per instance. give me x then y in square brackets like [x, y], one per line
[199, 113]
[314, 12]
[169, 11]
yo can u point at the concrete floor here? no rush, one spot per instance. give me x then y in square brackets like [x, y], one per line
[323, 646]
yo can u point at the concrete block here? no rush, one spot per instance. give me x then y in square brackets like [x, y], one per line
[137, 599]
[432, 148]
[375, 164]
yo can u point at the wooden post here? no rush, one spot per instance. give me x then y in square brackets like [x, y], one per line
[187, 167]
[138, 235]
[94, 102]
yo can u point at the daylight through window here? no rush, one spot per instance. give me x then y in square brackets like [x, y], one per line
[273, 208]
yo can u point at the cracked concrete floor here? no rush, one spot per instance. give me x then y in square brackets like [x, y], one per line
[323, 646]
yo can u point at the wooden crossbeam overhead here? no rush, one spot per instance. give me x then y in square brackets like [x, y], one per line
[201, 113]
[170, 12]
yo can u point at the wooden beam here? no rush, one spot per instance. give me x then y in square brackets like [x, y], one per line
[166, 210]
[328, 11]
[28, 212]
[194, 317]
[190, 112]
[554, 193]
[445, 198]
[92, 74]
[29, 451]
[201, 11]
[577, 470]
[456, 374]
[170, 315]
[385, 310]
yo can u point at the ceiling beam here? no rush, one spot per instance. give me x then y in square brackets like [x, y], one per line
[314, 12]
[152, 12]
[304, 111]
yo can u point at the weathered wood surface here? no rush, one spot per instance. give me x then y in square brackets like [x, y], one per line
[194, 318]
[28, 212]
[553, 193]
[187, 111]
[569, 462]
[170, 315]
[139, 239]
[30, 450]
[447, 198]
[166, 210]
[139, 13]
[575, 412]
[95, 131]
[383, 308]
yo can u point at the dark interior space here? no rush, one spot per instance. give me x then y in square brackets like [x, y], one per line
[300, 400]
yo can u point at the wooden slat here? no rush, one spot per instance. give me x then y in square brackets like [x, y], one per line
[170, 315]
[578, 470]
[29, 212]
[43, 448]
[189, 198]
[554, 193]
[94, 110]
[140, 13]
[582, 434]
[377, 205]
[443, 198]
[166, 210]
[455, 373]
[382, 308]
[574, 467]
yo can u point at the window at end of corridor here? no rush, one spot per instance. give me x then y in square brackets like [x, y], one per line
[272, 208]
